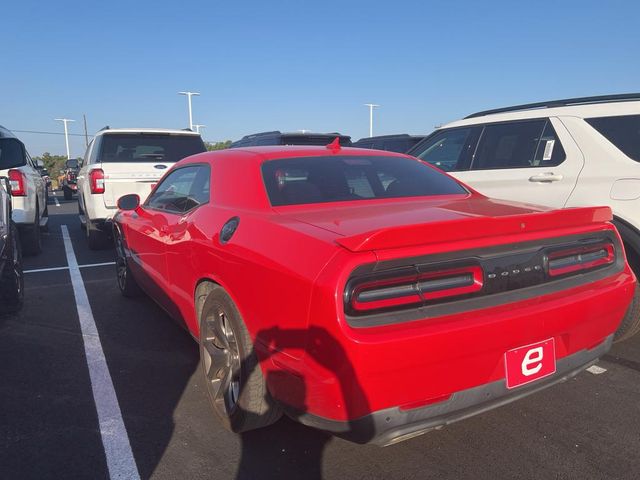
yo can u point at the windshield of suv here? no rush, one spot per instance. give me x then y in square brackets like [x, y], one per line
[149, 147]
[11, 154]
[295, 181]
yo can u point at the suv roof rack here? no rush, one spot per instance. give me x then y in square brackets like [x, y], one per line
[106, 127]
[621, 97]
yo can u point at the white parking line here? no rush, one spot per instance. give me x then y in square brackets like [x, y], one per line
[115, 441]
[56, 200]
[53, 269]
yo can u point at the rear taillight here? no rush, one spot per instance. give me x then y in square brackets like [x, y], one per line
[408, 287]
[17, 183]
[96, 180]
[576, 259]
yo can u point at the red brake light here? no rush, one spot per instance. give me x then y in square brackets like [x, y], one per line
[96, 180]
[415, 288]
[17, 183]
[587, 257]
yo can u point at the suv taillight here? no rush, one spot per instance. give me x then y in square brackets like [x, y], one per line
[17, 183]
[583, 258]
[96, 180]
[408, 288]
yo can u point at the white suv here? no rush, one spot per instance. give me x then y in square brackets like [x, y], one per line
[123, 161]
[564, 153]
[28, 191]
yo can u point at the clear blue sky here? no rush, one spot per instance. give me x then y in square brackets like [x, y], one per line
[289, 65]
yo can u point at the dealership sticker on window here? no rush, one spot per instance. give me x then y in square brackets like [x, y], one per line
[548, 150]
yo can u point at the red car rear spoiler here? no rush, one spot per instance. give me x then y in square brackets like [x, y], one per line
[469, 228]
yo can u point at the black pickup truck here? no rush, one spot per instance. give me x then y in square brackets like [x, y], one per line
[11, 277]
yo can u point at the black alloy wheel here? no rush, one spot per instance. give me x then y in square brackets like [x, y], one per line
[235, 384]
[126, 283]
[221, 362]
[12, 278]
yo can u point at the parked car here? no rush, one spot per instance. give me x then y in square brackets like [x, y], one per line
[400, 143]
[69, 178]
[325, 281]
[44, 173]
[121, 161]
[28, 191]
[563, 153]
[291, 138]
[11, 278]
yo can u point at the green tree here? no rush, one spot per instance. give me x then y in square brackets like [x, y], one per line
[53, 164]
[218, 145]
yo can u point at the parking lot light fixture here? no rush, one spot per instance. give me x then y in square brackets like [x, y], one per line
[189, 95]
[371, 107]
[66, 132]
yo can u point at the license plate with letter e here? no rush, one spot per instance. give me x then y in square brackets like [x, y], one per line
[530, 363]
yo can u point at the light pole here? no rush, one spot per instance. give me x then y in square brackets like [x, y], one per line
[66, 132]
[189, 95]
[199, 127]
[371, 107]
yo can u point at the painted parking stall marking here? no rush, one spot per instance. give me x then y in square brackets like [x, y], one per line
[53, 269]
[115, 440]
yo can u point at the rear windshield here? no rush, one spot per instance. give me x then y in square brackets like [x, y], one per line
[149, 147]
[11, 154]
[623, 132]
[295, 181]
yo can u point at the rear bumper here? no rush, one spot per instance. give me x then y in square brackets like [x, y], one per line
[392, 425]
[23, 210]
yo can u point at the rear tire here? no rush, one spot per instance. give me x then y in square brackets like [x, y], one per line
[631, 322]
[235, 385]
[126, 282]
[12, 278]
[31, 244]
[97, 239]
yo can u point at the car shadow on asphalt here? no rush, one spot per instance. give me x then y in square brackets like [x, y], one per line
[290, 449]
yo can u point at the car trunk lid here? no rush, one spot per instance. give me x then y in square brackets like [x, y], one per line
[379, 226]
[122, 178]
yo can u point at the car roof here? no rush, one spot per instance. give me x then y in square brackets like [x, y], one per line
[6, 133]
[605, 109]
[391, 136]
[172, 131]
[237, 178]
[266, 153]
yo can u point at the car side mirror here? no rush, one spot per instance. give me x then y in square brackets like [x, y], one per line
[129, 202]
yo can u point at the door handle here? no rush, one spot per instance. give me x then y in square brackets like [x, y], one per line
[546, 178]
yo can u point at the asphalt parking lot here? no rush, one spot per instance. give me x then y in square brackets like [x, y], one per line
[587, 427]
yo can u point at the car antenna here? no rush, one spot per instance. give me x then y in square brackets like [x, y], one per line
[335, 145]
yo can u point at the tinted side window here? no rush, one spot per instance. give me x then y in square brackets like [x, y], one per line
[181, 190]
[550, 151]
[623, 132]
[508, 145]
[448, 150]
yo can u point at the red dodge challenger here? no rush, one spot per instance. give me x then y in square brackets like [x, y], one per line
[366, 293]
